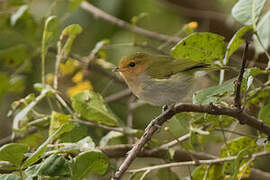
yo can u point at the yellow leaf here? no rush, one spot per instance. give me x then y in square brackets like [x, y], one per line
[78, 77]
[245, 170]
[69, 67]
[81, 86]
[57, 120]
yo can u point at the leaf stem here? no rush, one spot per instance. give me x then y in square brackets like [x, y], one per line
[43, 54]
[59, 57]
[264, 49]
[253, 15]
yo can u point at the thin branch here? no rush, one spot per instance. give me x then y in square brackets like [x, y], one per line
[11, 138]
[237, 99]
[97, 68]
[206, 172]
[118, 95]
[118, 151]
[174, 142]
[144, 45]
[107, 17]
[197, 13]
[198, 162]
[59, 57]
[235, 132]
[110, 128]
[242, 117]
[102, 71]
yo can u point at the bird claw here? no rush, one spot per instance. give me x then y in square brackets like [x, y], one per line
[165, 107]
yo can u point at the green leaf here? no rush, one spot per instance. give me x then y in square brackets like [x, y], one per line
[22, 103]
[254, 71]
[40, 87]
[74, 4]
[245, 145]
[78, 132]
[245, 170]
[15, 16]
[112, 134]
[166, 173]
[15, 2]
[236, 42]
[34, 140]
[237, 162]
[4, 85]
[55, 165]
[213, 94]
[263, 31]
[91, 106]
[10, 177]
[264, 113]
[214, 120]
[13, 153]
[42, 148]
[17, 84]
[89, 162]
[247, 11]
[260, 96]
[57, 120]
[202, 47]
[72, 31]
[194, 140]
[86, 144]
[50, 34]
[233, 147]
[248, 77]
[14, 55]
[21, 116]
[214, 172]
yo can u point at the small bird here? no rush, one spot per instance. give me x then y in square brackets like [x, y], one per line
[159, 80]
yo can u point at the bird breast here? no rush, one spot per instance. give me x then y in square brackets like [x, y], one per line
[162, 91]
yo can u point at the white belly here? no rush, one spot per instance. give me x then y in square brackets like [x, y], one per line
[165, 92]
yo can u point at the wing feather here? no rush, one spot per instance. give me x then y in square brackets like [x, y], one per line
[162, 67]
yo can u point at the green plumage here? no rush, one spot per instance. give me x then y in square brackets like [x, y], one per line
[162, 67]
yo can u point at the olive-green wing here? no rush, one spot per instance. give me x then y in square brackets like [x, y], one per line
[164, 66]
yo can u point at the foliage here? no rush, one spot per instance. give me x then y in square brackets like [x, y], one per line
[65, 102]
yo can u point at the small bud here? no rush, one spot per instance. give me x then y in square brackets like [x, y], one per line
[193, 25]
[166, 128]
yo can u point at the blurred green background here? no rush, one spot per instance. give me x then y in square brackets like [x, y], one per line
[20, 42]
[21, 28]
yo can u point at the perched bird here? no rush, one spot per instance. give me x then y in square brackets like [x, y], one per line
[159, 80]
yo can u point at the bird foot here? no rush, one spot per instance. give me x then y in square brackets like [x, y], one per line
[165, 107]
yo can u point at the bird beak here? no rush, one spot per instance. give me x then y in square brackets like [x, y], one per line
[116, 69]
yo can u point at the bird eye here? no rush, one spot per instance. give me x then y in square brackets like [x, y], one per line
[132, 64]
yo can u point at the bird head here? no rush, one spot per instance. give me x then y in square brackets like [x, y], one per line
[130, 67]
